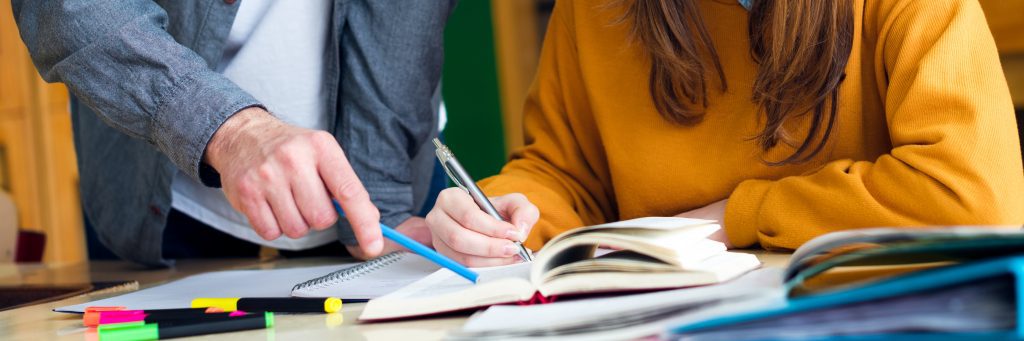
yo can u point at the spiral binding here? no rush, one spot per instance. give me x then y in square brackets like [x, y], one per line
[351, 273]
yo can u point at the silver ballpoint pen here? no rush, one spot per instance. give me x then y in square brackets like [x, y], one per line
[461, 178]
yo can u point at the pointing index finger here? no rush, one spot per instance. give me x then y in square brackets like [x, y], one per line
[348, 191]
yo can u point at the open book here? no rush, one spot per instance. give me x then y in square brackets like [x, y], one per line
[650, 254]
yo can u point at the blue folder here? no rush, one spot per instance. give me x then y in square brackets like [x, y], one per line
[1006, 268]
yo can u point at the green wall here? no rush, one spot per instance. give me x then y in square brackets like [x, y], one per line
[470, 88]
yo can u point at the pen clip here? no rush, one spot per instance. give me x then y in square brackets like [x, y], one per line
[453, 177]
[443, 155]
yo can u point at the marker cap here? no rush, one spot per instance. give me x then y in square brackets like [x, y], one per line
[332, 305]
[143, 332]
[91, 318]
[228, 304]
[269, 317]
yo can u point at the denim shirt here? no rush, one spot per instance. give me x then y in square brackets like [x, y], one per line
[146, 100]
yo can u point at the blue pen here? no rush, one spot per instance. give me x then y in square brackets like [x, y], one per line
[420, 249]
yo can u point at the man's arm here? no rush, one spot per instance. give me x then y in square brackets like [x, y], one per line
[392, 55]
[117, 57]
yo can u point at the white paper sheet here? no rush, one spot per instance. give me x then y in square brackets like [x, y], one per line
[512, 321]
[236, 283]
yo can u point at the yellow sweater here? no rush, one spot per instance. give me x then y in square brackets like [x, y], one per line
[925, 132]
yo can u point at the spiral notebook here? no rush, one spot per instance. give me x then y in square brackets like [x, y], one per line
[371, 279]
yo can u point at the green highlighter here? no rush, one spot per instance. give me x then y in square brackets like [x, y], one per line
[157, 331]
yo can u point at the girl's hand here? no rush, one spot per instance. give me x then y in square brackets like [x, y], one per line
[464, 232]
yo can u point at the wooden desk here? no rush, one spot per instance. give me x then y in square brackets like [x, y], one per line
[39, 322]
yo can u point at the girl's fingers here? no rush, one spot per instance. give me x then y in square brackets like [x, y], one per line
[470, 260]
[462, 240]
[458, 205]
[520, 211]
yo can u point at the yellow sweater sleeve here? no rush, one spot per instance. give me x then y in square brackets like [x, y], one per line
[955, 159]
[552, 169]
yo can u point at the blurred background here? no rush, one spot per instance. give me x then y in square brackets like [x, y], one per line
[491, 55]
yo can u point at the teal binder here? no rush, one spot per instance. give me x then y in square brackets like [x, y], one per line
[1010, 268]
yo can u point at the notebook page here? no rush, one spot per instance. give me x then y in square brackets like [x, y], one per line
[236, 283]
[374, 283]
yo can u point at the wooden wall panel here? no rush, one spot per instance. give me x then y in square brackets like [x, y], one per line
[35, 132]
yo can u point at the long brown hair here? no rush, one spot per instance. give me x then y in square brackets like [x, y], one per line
[800, 47]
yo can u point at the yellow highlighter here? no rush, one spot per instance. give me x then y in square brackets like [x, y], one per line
[274, 304]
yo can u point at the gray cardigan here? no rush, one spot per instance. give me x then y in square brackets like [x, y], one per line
[146, 99]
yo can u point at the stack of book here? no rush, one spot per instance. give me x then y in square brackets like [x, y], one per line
[872, 283]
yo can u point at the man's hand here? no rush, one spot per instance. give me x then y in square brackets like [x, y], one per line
[714, 211]
[283, 177]
[414, 227]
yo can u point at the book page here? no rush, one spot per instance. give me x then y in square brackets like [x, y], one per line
[682, 247]
[445, 291]
[619, 275]
[648, 227]
[444, 281]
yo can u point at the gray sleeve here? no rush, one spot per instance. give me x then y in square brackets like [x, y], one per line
[391, 58]
[117, 57]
